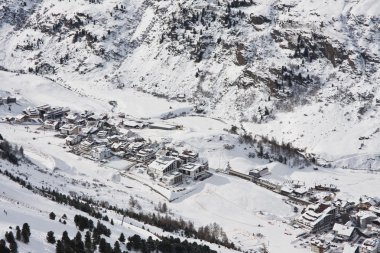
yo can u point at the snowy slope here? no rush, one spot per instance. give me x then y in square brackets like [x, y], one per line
[19, 206]
[261, 62]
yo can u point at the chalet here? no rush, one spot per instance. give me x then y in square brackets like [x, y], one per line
[85, 146]
[192, 170]
[102, 134]
[286, 190]
[116, 147]
[343, 205]
[370, 245]
[70, 129]
[145, 155]
[86, 114]
[173, 178]
[73, 140]
[54, 113]
[188, 156]
[101, 152]
[43, 108]
[259, 172]
[135, 146]
[344, 233]
[21, 118]
[93, 118]
[162, 152]
[363, 218]
[51, 124]
[115, 138]
[89, 130]
[319, 246]
[164, 165]
[32, 112]
[300, 192]
[317, 218]
[375, 210]
[73, 117]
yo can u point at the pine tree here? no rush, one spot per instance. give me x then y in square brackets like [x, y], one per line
[3, 246]
[65, 238]
[9, 237]
[112, 222]
[95, 237]
[88, 242]
[102, 246]
[78, 243]
[122, 238]
[18, 233]
[25, 232]
[50, 237]
[52, 216]
[13, 247]
[116, 247]
[59, 248]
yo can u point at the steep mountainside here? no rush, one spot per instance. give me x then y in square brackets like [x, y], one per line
[249, 60]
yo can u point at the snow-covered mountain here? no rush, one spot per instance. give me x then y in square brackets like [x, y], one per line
[245, 61]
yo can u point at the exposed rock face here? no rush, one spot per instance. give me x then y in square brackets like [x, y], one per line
[259, 20]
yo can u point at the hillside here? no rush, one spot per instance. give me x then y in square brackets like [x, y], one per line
[260, 62]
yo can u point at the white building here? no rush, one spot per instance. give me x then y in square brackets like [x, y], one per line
[188, 156]
[51, 124]
[259, 172]
[317, 217]
[70, 129]
[163, 165]
[173, 178]
[344, 233]
[364, 218]
[101, 152]
[145, 154]
[85, 146]
[73, 139]
[319, 246]
[193, 170]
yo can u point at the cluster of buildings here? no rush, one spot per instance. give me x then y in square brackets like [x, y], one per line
[329, 225]
[99, 137]
[173, 167]
[342, 227]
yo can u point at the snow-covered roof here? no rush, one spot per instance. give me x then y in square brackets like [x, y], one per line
[371, 244]
[301, 190]
[314, 214]
[343, 230]
[100, 149]
[68, 127]
[366, 214]
[191, 166]
[350, 249]
[162, 163]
